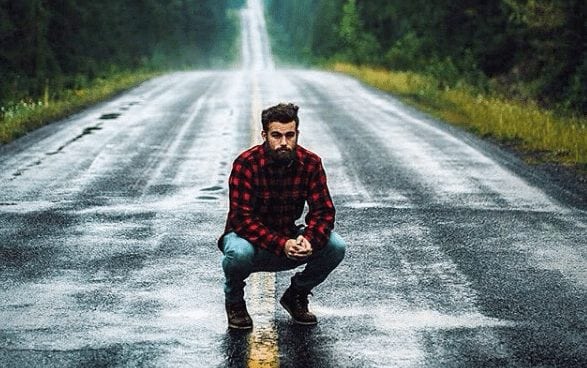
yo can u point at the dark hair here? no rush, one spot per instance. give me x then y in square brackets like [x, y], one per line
[283, 113]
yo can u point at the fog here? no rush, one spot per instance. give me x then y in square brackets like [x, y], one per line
[255, 47]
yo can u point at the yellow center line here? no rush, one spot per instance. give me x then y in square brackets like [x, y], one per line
[263, 347]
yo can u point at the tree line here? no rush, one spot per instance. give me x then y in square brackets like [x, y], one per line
[527, 49]
[65, 43]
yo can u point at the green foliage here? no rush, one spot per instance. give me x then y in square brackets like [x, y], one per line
[236, 4]
[61, 55]
[526, 49]
[284, 25]
[350, 30]
[405, 53]
[17, 118]
[358, 44]
[69, 43]
[542, 134]
[578, 88]
[326, 18]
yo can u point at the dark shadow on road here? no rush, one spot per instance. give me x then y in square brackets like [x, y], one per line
[234, 348]
[303, 346]
[299, 347]
[116, 355]
[30, 247]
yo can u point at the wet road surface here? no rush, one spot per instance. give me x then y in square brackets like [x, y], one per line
[109, 221]
[108, 229]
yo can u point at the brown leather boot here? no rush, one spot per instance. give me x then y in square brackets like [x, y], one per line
[238, 317]
[296, 303]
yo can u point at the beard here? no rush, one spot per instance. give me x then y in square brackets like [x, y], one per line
[283, 156]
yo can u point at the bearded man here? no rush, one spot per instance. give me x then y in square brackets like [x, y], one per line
[268, 188]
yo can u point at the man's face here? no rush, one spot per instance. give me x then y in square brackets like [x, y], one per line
[282, 139]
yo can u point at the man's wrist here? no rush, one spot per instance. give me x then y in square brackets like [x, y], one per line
[308, 236]
[282, 242]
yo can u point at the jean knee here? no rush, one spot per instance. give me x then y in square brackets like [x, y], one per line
[336, 246]
[238, 253]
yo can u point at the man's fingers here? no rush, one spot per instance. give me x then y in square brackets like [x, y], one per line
[306, 244]
[300, 240]
[298, 250]
[302, 253]
[303, 242]
[296, 257]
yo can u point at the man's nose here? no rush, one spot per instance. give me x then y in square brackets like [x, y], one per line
[283, 141]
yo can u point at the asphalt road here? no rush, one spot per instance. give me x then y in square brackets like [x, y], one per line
[459, 256]
[108, 222]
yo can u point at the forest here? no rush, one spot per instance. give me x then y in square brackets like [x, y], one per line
[510, 69]
[58, 45]
[523, 49]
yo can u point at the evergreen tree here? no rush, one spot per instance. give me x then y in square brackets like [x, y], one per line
[68, 42]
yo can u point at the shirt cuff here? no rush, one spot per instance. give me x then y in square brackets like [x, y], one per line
[279, 242]
[311, 237]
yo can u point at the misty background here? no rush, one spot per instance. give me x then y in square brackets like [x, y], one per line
[523, 49]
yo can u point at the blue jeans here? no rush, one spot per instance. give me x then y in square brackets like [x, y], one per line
[241, 259]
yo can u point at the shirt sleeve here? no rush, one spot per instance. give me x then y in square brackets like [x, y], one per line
[321, 213]
[241, 217]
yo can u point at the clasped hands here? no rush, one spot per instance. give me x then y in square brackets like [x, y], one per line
[298, 249]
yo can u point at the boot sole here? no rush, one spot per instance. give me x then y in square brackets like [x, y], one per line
[297, 321]
[237, 327]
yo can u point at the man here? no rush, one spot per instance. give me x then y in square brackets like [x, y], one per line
[268, 187]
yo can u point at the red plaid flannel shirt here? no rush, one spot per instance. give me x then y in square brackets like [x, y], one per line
[266, 199]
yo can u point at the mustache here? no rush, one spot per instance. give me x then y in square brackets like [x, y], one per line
[283, 153]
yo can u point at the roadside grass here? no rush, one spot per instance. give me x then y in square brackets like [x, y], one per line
[20, 117]
[541, 135]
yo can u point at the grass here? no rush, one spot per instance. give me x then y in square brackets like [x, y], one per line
[20, 117]
[540, 134]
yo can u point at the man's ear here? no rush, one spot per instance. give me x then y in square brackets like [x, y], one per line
[264, 135]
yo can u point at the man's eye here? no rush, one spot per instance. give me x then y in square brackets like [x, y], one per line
[290, 135]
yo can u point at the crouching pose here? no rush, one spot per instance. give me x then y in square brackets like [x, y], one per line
[268, 188]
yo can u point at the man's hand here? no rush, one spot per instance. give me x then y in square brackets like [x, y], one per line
[298, 249]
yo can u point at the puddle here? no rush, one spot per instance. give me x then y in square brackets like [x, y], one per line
[162, 189]
[89, 130]
[110, 116]
[86, 131]
[214, 188]
[56, 151]
[207, 198]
